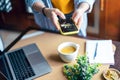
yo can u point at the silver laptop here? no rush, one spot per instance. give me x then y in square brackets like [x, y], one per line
[25, 63]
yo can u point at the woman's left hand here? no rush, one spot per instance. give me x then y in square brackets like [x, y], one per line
[78, 17]
[79, 12]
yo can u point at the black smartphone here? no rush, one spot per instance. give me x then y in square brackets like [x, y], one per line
[68, 27]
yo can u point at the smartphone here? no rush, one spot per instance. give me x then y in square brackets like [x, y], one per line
[68, 27]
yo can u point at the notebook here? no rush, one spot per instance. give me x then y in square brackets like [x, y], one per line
[25, 63]
[100, 51]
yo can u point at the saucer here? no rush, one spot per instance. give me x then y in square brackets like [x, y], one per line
[111, 74]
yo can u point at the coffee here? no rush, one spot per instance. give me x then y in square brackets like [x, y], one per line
[68, 49]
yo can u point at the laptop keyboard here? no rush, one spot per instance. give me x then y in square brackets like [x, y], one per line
[20, 64]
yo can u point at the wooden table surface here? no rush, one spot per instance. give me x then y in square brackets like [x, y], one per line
[48, 43]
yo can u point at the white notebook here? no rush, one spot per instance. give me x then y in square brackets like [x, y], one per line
[100, 51]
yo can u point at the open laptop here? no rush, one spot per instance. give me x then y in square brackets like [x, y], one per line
[25, 63]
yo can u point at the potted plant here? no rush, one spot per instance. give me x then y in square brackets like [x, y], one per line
[81, 70]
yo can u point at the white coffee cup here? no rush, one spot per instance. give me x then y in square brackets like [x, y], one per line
[68, 51]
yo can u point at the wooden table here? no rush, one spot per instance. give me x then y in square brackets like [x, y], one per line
[48, 43]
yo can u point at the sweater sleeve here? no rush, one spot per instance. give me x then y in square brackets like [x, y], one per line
[31, 2]
[90, 2]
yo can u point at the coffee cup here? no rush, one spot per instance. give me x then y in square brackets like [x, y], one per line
[68, 51]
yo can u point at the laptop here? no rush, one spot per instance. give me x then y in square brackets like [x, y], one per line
[25, 63]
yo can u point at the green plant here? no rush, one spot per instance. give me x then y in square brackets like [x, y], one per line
[81, 70]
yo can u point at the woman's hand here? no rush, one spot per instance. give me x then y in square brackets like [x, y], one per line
[52, 14]
[78, 17]
[79, 12]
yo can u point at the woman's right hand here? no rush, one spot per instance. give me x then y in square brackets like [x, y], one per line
[52, 14]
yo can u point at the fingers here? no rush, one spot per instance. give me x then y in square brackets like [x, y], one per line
[77, 18]
[74, 17]
[56, 12]
[80, 20]
[55, 20]
[52, 13]
[59, 13]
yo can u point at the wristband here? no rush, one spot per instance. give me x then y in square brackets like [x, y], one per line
[43, 11]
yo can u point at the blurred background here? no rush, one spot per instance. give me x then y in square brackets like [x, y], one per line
[103, 22]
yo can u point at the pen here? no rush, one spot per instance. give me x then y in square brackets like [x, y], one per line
[95, 53]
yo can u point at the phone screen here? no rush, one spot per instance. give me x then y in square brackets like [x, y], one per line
[68, 26]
